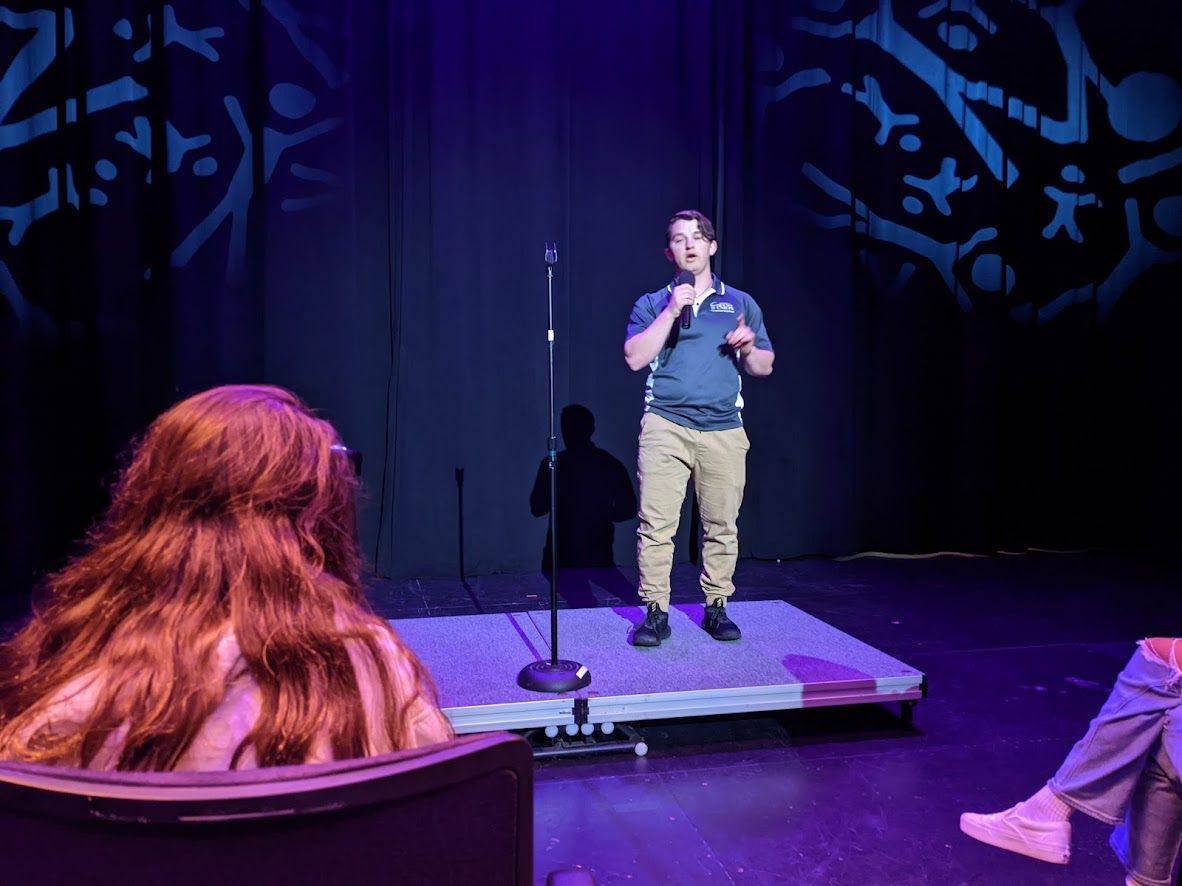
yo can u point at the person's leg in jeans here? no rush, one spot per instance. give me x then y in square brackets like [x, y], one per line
[1100, 773]
[1150, 840]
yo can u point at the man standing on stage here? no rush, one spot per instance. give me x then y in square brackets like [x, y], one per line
[692, 424]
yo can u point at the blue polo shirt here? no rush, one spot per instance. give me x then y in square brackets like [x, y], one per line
[695, 381]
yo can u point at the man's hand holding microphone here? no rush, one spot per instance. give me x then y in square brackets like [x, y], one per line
[682, 298]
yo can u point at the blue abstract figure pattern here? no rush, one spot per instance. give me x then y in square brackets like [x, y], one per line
[209, 144]
[1042, 195]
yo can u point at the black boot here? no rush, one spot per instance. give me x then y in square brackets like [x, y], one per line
[653, 629]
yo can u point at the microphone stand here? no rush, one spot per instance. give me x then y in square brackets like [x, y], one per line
[554, 675]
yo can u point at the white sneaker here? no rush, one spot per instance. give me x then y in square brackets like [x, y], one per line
[1044, 840]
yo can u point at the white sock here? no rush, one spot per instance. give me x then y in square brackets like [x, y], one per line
[1045, 806]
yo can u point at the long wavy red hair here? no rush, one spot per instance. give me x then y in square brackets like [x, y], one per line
[235, 512]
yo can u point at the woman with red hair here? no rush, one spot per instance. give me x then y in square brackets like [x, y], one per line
[215, 619]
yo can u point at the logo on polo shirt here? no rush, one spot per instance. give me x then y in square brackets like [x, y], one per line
[724, 307]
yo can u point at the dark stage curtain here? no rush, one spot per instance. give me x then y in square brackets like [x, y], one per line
[962, 220]
[178, 209]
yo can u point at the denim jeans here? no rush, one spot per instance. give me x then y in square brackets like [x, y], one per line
[1148, 842]
[1134, 734]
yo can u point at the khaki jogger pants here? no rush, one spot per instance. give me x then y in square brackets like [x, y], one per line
[717, 462]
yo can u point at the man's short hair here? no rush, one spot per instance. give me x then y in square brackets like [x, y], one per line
[704, 225]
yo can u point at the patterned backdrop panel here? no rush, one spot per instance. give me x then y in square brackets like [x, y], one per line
[1002, 150]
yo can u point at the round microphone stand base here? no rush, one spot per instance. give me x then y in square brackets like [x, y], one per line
[554, 676]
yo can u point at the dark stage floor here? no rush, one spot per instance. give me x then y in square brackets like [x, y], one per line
[1020, 651]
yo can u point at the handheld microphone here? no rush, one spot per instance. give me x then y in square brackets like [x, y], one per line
[551, 253]
[687, 313]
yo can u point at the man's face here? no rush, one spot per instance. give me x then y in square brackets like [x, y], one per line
[688, 248]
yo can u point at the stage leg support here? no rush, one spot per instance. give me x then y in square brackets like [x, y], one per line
[583, 741]
[906, 709]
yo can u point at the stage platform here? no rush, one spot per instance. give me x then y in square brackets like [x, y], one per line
[785, 659]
